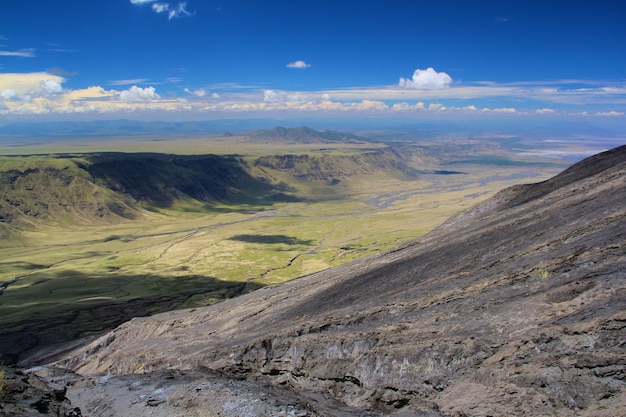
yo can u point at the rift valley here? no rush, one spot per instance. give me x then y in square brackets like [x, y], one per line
[511, 304]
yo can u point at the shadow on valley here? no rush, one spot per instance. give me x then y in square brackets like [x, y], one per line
[111, 186]
[44, 309]
[161, 180]
[272, 239]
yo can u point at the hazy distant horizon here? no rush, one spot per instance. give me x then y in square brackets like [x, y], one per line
[564, 141]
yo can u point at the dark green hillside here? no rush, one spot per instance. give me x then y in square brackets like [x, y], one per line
[115, 186]
[56, 189]
[160, 180]
[111, 187]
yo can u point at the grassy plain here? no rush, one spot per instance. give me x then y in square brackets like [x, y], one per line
[184, 255]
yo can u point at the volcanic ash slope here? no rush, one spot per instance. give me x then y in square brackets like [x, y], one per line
[515, 307]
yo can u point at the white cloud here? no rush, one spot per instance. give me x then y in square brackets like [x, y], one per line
[9, 95]
[23, 53]
[545, 111]
[408, 107]
[50, 87]
[436, 107]
[160, 7]
[371, 105]
[610, 113]
[172, 11]
[427, 79]
[137, 94]
[271, 96]
[500, 110]
[27, 83]
[200, 92]
[298, 64]
[179, 11]
[44, 93]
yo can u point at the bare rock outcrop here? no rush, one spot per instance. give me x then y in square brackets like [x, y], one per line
[514, 308]
[27, 394]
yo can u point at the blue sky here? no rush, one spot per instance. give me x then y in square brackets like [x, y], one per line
[203, 59]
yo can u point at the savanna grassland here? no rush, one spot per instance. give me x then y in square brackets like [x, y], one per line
[95, 232]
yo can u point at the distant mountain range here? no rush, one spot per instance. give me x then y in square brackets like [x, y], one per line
[302, 134]
[415, 128]
[130, 127]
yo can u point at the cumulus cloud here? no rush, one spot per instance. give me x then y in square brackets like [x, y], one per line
[9, 95]
[371, 105]
[436, 107]
[200, 92]
[137, 94]
[427, 79]
[545, 111]
[408, 107]
[30, 84]
[140, 2]
[45, 93]
[298, 64]
[50, 87]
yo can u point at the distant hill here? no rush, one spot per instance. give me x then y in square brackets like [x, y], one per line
[514, 307]
[302, 134]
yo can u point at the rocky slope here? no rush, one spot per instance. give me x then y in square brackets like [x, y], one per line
[516, 307]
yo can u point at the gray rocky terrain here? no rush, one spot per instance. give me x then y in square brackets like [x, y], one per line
[516, 307]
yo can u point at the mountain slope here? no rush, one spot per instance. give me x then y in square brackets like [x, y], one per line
[516, 307]
[110, 187]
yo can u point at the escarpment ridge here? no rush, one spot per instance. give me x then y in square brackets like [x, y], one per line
[514, 307]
